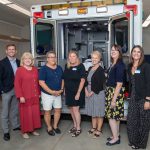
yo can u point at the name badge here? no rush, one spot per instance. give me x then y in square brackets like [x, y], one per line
[138, 71]
[74, 69]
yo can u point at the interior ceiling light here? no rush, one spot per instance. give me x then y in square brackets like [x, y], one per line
[146, 22]
[84, 25]
[16, 7]
[5, 2]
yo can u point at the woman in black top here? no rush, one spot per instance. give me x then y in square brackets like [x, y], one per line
[114, 110]
[138, 120]
[95, 95]
[74, 77]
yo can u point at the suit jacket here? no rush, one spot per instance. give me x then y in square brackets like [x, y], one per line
[142, 81]
[6, 75]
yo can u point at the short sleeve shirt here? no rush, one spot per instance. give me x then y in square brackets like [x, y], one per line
[52, 77]
[116, 74]
[72, 77]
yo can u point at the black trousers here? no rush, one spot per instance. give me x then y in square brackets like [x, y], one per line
[138, 123]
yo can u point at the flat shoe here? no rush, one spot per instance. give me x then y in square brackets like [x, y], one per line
[25, 136]
[134, 147]
[57, 130]
[35, 133]
[110, 138]
[51, 132]
[111, 144]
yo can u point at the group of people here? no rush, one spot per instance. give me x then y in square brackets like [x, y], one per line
[100, 92]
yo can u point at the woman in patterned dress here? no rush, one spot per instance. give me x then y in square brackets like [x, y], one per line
[95, 95]
[138, 120]
[114, 110]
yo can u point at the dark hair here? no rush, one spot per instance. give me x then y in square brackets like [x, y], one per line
[8, 45]
[142, 55]
[117, 48]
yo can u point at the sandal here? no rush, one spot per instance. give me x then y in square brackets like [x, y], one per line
[76, 133]
[72, 130]
[97, 134]
[91, 131]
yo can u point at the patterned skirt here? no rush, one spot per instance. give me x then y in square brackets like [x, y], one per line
[116, 113]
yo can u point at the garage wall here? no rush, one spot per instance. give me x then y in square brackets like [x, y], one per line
[10, 29]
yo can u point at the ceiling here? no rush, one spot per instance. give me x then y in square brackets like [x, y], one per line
[9, 15]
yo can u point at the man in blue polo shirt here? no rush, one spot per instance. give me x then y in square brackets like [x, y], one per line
[52, 84]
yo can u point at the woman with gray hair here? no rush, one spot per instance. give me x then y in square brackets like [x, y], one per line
[27, 91]
[95, 95]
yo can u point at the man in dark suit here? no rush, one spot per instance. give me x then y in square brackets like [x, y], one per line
[8, 67]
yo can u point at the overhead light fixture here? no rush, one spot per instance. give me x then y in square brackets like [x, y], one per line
[63, 11]
[20, 9]
[102, 9]
[84, 25]
[16, 7]
[146, 22]
[5, 2]
[15, 37]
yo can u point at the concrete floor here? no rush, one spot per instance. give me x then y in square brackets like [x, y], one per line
[64, 141]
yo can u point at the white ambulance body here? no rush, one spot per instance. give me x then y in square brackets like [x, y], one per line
[85, 26]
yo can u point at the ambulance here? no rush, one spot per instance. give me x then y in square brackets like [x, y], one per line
[85, 26]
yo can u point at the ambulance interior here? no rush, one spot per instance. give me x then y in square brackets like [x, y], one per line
[82, 36]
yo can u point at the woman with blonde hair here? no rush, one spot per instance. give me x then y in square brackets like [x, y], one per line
[95, 95]
[27, 91]
[74, 78]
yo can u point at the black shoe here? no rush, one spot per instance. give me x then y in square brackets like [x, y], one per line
[109, 138]
[51, 132]
[57, 130]
[15, 129]
[135, 147]
[6, 136]
[110, 144]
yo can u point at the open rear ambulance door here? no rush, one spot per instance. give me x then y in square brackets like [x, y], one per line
[43, 39]
[121, 32]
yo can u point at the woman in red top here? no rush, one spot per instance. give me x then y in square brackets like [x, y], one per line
[27, 91]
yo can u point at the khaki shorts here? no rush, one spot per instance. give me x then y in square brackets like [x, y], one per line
[50, 101]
